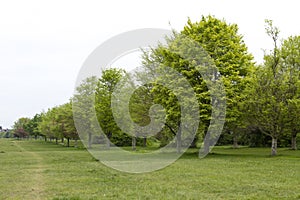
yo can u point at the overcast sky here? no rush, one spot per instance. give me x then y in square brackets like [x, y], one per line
[44, 43]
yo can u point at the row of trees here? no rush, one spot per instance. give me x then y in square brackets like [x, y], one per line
[260, 99]
[55, 124]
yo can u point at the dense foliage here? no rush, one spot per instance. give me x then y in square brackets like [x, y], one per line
[262, 101]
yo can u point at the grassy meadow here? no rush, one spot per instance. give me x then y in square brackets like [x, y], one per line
[43, 170]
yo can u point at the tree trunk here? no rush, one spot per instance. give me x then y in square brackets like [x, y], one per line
[145, 142]
[68, 142]
[178, 141]
[274, 147]
[56, 142]
[206, 142]
[294, 142]
[62, 140]
[133, 143]
[235, 141]
[194, 142]
[45, 138]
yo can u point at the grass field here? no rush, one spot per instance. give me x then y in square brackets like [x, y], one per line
[39, 170]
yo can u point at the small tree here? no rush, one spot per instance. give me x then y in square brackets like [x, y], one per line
[267, 93]
[33, 125]
[83, 108]
[20, 127]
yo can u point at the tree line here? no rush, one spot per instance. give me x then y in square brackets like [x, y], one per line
[262, 100]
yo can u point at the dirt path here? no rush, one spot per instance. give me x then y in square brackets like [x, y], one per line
[36, 174]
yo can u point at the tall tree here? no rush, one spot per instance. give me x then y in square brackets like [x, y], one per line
[290, 64]
[226, 50]
[230, 54]
[103, 97]
[267, 96]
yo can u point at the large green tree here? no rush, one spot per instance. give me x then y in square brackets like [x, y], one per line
[226, 50]
[103, 97]
[226, 47]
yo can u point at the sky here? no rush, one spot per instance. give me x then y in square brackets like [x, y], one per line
[43, 44]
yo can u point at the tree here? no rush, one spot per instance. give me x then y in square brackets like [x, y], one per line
[222, 47]
[57, 123]
[48, 125]
[139, 106]
[20, 127]
[66, 122]
[103, 97]
[267, 93]
[230, 54]
[290, 64]
[83, 108]
[32, 126]
[43, 126]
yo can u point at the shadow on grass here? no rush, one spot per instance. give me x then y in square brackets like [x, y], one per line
[243, 152]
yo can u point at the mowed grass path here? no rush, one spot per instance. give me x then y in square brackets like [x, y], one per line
[39, 170]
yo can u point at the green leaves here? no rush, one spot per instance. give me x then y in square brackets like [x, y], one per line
[274, 92]
[58, 122]
[103, 97]
[209, 42]
[230, 55]
[21, 127]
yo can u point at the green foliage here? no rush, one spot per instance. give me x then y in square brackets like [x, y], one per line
[21, 127]
[58, 123]
[274, 90]
[266, 92]
[219, 44]
[290, 61]
[226, 47]
[259, 99]
[33, 124]
[83, 108]
[103, 96]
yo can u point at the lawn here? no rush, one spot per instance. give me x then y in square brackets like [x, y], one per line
[39, 170]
